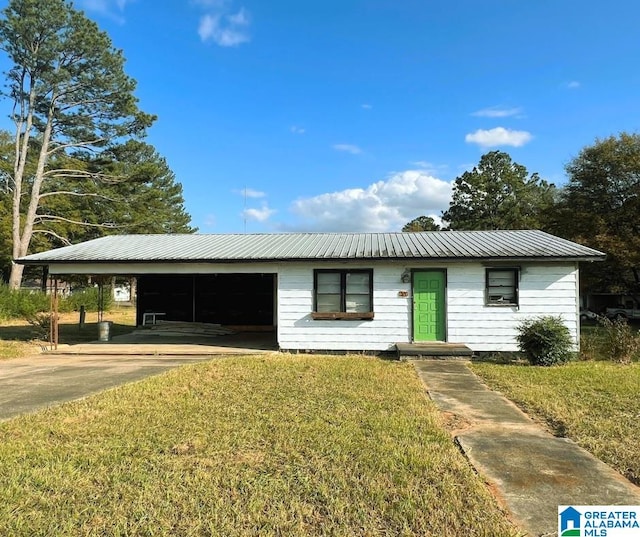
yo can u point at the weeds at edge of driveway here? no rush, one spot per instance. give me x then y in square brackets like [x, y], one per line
[277, 445]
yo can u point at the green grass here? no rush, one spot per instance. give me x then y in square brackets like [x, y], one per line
[597, 404]
[277, 445]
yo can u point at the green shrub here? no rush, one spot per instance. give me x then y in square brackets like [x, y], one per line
[620, 342]
[22, 303]
[545, 340]
[87, 297]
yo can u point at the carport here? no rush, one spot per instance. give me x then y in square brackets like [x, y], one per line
[244, 301]
[176, 280]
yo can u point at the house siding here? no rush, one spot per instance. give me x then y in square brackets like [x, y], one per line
[543, 290]
[298, 331]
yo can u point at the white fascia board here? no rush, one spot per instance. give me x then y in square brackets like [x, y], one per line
[161, 268]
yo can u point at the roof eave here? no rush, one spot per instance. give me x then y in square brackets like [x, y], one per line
[41, 262]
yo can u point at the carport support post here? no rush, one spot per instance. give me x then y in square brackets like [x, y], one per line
[56, 332]
[53, 321]
[100, 300]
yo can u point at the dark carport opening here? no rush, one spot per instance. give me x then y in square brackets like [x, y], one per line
[238, 300]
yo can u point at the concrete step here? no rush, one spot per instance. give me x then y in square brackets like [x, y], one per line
[433, 350]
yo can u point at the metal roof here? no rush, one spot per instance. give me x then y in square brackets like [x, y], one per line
[435, 245]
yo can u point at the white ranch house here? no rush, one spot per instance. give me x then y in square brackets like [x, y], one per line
[346, 291]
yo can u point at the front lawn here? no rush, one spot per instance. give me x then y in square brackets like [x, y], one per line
[276, 445]
[597, 404]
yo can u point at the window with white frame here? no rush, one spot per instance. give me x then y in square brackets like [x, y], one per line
[501, 287]
[343, 293]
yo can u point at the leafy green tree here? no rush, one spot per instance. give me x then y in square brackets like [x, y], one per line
[142, 197]
[600, 207]
[148, 201]
[69, 93]
[421, 223]
[499, 194]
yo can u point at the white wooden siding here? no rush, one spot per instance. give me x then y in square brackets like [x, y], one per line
[549, 289]
[298, 331]
[543, 290]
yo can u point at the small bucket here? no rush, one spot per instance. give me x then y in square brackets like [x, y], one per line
[104, 331]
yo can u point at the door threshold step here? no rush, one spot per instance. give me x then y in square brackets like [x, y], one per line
[437, 349]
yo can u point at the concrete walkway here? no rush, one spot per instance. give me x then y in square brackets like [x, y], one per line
[530, 471]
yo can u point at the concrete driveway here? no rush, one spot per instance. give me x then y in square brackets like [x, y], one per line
[29, 384]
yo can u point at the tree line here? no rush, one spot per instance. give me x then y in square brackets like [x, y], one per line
[599, 206]
[75, 166]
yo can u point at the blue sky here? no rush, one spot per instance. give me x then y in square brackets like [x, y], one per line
[357, 115]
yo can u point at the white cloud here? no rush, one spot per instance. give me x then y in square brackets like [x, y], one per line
[224, 28]
[348, 148]
[250, 193]
[366, 106]
[260, 215]
[497, 137]
[498, 111]
[210, 220]
[574, 84]
[297, 130]
[206, 27]
[383, 206]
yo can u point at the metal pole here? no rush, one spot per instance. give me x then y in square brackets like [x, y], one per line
[56, 331]
[100, 301]
[51, 317]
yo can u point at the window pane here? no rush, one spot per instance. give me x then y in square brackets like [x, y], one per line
[358, 282]
[328, 282]
[501, 288]
[343, 291]
[358, 303]
[501, 278]
[328, 303]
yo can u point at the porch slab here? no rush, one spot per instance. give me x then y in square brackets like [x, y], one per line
[432, 349]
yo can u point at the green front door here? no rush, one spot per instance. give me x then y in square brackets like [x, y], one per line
[428, 306]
